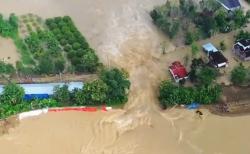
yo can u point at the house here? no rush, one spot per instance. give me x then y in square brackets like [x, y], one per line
[242, 49]
[44, 90]
[209, 47]
[230, 5]
[178, 71]
[217, 59]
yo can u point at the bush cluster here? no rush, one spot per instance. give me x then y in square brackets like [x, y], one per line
[6, 68]
[46, 50]
[9, 27]
[82, 57]
[171, 94]
[11, 101]
[112, 88]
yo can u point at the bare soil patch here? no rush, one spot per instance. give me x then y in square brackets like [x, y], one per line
[8, 51]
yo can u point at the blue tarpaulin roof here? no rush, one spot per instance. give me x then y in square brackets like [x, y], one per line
[29, 97]
[230, 4]
[209, 47]
[193, 105]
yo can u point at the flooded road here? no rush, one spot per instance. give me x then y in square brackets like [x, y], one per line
[123, 34]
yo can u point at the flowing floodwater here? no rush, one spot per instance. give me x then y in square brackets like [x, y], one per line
[123, 34]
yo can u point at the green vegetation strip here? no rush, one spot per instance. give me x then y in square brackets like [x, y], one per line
[111, 89]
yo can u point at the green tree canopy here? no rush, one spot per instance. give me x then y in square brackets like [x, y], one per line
[62, 94]
[118, 85]
[93, 93]
[12, 94]
[239, 75]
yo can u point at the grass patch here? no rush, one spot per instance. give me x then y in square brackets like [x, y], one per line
[23, 50]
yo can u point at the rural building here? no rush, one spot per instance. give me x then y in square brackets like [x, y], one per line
[242, 49]
[217, 59]
[230, 5]
[44, 90]
[209, 47]
[178, 71]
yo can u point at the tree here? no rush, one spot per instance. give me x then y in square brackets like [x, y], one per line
[206, 75]
[62, 94]
[93, 93]
[239, 18]
[59, 65]
[6, 68]
[118, 85]
[239, 75]
[194, 49]
[12, 94]
[242, 35]
[190, 37]
[46, 65]
[221, 22]
[89, 61]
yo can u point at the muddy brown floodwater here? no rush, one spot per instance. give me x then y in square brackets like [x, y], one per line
[122, 33]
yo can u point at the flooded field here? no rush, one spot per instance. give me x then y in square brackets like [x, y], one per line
[123, 34]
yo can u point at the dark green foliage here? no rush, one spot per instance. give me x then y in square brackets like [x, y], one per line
[62, 94]
[6, 68]
[8, 28]
[12, 94]
[118, 86]
[171, 94]
[93, 93]
[239, 75]
[206, 75]
[59, 65]
[239, 18]
[222, 24]
[45, 65]
[202, 74]
[206, 15]
[191, 37]
[162, 18]
[81, 56]
[242, 35]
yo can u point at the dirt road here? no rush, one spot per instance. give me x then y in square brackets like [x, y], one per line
[123, 34]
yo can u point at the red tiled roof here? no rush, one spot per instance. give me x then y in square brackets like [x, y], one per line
[178, 69]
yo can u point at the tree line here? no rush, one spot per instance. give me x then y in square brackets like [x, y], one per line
[111, 88]
[197, 19]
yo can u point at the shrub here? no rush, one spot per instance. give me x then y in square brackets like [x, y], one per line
[76, 46]
[93, 93]
[12, 94]
[118, 85]
[67, 48]
[59, 65]
[222, 45]
[6, 68]
[239, 75]
[171, 94]
[62, 94]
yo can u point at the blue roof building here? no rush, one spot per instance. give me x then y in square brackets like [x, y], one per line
[230, 5]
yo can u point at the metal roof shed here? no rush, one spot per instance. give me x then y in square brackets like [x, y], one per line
[230, 5]
[209, 47]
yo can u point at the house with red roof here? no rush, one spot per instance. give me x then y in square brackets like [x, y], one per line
[178, 71]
